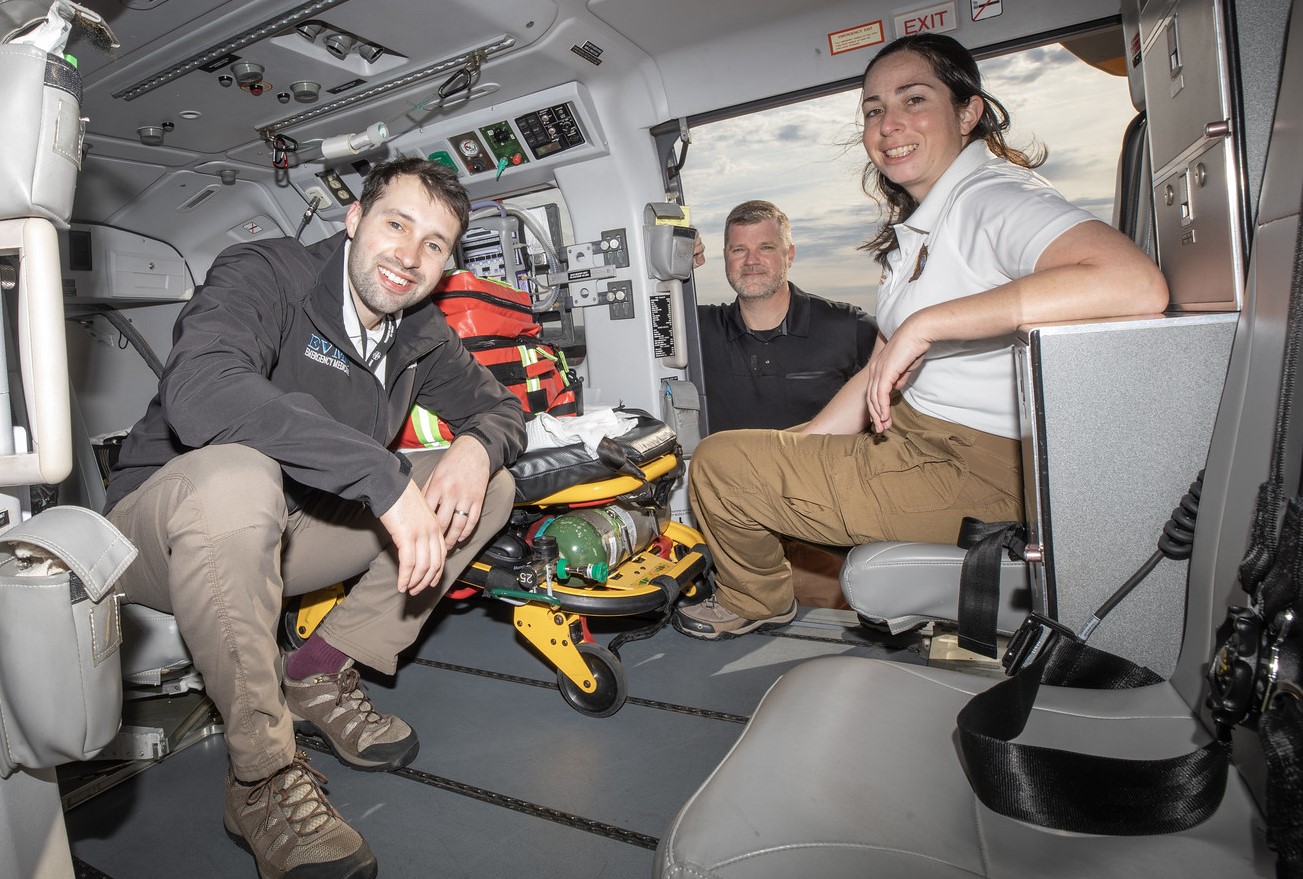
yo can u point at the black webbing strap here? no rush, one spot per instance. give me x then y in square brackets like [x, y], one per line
[1074, 663]
[1082, 793]
[979, 579]
[1281, 733]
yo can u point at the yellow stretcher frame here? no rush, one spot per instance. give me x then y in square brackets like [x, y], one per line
[590, 677]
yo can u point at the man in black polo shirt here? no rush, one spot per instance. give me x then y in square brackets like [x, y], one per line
[775, 355]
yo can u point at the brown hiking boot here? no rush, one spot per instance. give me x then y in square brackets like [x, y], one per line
[290, 828]
[337, 708]
[711, 621]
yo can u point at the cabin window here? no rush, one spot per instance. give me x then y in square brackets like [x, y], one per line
[806, 158]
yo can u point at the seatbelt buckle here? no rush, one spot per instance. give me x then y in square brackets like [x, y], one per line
[1036, 635]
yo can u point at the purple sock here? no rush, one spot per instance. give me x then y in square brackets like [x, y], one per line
[314, 657]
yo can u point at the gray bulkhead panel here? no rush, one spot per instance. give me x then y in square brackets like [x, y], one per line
[1115, 430]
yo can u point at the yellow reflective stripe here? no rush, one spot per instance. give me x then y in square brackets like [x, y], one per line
[565, 368]
[426, 425]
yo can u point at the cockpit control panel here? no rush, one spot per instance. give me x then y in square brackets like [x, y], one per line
[497, 146]
[519, 141]
[550, 130]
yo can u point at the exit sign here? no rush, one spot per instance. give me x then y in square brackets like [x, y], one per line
[937, 18]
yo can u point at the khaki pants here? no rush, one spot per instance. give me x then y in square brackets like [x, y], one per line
[749, 488]
[219, 551]
[816, 573]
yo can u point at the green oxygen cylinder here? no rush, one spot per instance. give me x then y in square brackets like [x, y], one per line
[603, 535]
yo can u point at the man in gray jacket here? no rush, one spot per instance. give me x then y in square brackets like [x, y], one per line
[261, 470]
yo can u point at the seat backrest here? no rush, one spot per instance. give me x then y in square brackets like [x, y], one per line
[1243, 431]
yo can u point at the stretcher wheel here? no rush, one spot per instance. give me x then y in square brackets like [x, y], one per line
[608, 674]
[290, 620]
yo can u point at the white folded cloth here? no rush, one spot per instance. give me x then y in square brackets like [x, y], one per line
[549, 432]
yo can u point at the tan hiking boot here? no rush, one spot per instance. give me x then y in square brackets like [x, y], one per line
[290, 828]
[712, 621]
[337, 708]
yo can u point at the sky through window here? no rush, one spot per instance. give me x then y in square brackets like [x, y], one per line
[807, 159]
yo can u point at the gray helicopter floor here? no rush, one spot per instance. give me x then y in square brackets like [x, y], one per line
[510, 781]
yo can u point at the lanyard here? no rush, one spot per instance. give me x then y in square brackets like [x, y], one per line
[383, 344]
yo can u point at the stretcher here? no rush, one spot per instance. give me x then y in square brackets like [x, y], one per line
[552, 599]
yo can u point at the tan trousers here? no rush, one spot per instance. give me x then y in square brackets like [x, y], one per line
[749, 488]
[219, 551]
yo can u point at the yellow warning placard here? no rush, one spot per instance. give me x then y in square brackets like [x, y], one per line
[859, 37]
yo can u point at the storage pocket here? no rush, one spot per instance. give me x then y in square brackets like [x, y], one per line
[60, 670]
[40, 154]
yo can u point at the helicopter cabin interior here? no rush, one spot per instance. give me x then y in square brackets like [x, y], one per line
[597, 139]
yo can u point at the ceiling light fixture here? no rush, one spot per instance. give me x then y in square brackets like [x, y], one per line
[502, 44]
[150, 135]
[258, 32]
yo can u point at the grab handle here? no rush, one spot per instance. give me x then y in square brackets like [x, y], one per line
[42, 355]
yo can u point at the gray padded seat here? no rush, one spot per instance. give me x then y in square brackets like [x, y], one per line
[849, 770]
[153, 653]
[905, 584]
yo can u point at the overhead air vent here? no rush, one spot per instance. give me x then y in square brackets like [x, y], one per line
[199, 198]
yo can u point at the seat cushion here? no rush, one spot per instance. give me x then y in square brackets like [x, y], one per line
[894, 801]
[906, 583]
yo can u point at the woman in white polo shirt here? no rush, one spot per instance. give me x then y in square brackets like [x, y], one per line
[975, 245]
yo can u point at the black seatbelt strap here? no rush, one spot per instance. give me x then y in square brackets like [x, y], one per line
[979, 579]
[1083, 793]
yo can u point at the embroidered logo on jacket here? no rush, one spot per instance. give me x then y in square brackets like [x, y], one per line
[323, 352]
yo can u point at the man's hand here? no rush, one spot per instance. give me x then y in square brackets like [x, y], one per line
[419, 539]
[698, 252]
[455, 490]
